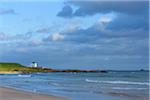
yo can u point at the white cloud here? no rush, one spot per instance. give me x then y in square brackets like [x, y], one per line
[72, 27]
[104, 20]
[7, 37]
[57, 37]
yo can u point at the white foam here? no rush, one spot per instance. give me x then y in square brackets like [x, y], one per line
[20, 75]
[118, 82]
[120, 88]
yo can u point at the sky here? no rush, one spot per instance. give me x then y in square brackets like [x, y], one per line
[69, 34]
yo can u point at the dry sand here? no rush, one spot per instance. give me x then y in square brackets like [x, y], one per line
[9, 72]
[12, 94]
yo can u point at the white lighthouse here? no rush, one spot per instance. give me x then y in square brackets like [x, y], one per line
[34, 64]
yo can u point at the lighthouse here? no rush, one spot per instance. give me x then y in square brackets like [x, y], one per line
[34, 64]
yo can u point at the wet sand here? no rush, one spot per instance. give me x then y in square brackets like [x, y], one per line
[12, 94]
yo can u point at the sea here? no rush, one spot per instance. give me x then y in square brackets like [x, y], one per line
[113, 85]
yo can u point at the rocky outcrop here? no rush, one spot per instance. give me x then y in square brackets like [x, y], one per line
[69, 70]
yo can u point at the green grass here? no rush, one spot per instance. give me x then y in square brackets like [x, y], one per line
[15, 67]
[10, 66]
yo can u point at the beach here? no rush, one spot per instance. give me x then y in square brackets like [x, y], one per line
[12, 94]
[9, 72]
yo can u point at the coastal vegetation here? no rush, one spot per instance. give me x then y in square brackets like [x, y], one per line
[17, 68]
[9, 68]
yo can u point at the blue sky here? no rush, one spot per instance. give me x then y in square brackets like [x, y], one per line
[75, 34]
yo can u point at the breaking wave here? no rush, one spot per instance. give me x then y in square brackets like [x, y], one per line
[118, 82]
[120, 88]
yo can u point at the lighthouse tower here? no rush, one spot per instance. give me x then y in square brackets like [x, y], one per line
[34, 64]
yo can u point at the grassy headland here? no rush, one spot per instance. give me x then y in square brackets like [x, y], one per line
[18, 68]
[12, 68]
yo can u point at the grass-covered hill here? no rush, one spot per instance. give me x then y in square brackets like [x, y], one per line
[9, 68]
[18, 68]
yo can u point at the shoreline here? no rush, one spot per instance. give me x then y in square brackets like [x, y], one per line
[9, 72]
[13, 94]
[53, 87]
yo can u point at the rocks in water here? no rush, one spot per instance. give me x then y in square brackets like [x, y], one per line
[103, 71]
[142, 70]
[69, 70]
[77, 71]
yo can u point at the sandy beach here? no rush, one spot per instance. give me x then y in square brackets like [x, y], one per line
[9, 72]
[12, 94]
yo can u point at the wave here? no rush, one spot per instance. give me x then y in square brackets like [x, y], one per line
[118, 82]
[28, 75]
[119, 88]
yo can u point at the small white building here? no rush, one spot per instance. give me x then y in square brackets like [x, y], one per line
[34, 64]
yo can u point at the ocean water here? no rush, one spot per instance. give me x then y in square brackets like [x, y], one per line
[114, 85]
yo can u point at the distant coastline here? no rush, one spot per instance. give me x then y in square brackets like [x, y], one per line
[16, 68]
